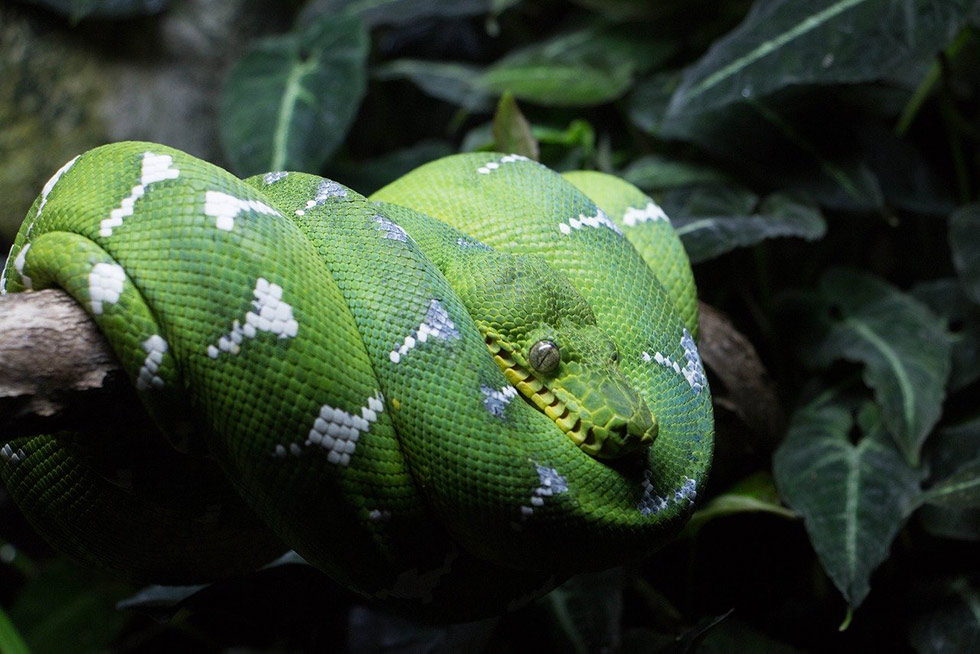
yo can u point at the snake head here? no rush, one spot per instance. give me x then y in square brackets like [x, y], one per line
[543, 335]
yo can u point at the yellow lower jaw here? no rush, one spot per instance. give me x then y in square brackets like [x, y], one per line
[538, 394]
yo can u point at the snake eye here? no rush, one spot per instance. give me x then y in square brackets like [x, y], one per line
[544, 356]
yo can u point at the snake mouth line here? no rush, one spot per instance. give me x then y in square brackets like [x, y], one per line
[536, 393]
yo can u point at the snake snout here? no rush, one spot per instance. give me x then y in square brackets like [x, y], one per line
[631, 426]
[613, 420]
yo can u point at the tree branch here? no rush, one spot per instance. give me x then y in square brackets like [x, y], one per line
[55, 366]
[57, 370]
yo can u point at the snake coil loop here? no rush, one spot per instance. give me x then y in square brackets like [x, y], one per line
[345, 372]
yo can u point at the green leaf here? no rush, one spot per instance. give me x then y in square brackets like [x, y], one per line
[946, 299]
[602, 44]
[785, 43]
[853, 498]
[950, 623]
[960, 490]
[706, 236]
[79, 9]
[964, 241]
[446, 80]
[949, 448]
[11, 641]
[511, 131]
[290, 100]
[903, 346]
[658, 173]
[567, 71]
[66, 604]
[159, 599]
[579, 133]
[587, 611]
[754, 494]
[556, 85]
[649, 100]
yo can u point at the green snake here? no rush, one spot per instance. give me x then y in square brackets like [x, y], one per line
[449, 397]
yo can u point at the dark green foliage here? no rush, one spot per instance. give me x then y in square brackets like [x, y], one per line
[821, 162]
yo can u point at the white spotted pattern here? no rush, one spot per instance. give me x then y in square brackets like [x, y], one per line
[337, 432]
[155, 348]
[600, 219]
[273, 177]
[693, 370]
[3, 274]
[105, 285]
[8, 455]
[652, 211]
[491, 166]
[436, 324]
[390, 229]
[48, 187]
[271, 315]
[155, 168]
[651, 503]
[327, 189]
[19, 261]
[225, 208]
[551, 482]
[466, 243]
[497, 400]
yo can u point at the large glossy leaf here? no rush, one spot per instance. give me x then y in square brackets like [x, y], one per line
[11, 641]
[953, 453]
[586, 611]
[754, 494]
[290, 100]
[78, 9]
[960, 490]
[582, 68]
[964, 241]
[649, 99]
[853, 497]
[904, 348]
[68, 605]
[946, 299]
[446, 80]
[707, 233]
[785, 43]
[658, 173]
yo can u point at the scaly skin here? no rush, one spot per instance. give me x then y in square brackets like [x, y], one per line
[312, 344]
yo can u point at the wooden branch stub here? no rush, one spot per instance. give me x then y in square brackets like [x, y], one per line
[748, 390]
[55, 364]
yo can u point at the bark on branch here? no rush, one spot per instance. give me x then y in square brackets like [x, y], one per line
[56, 369]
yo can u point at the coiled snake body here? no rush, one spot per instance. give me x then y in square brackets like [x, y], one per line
[446, 451]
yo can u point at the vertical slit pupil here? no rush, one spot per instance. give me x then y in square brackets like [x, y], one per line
[544, 356]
